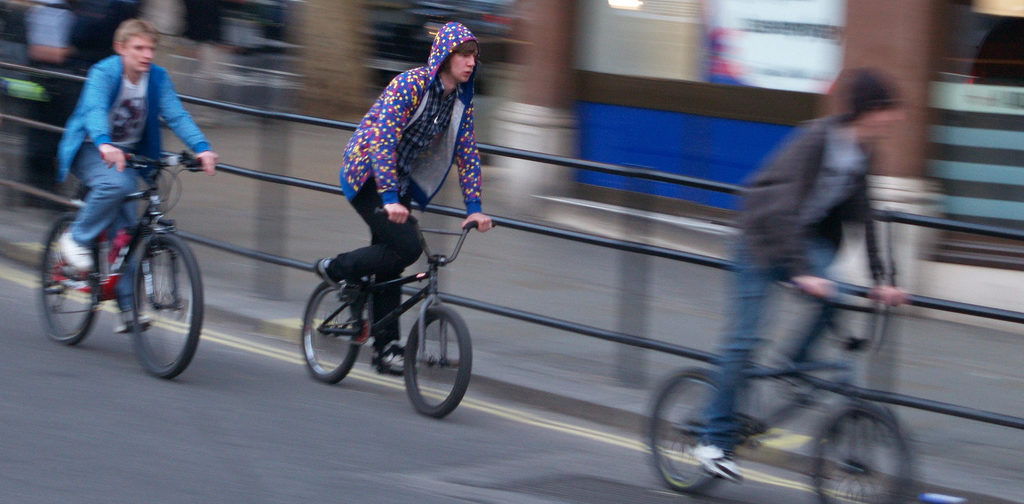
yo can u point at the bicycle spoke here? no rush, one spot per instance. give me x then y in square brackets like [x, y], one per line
[862, 458]
[675, 425]
[169, 306]
[326, 344]
[439, 362]
[67, 297]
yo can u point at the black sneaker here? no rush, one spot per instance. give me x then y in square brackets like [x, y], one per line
[390, 361]
[320, 267]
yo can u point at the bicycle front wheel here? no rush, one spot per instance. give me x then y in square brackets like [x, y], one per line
[438, 363]
[329, 354]
[862, 456]
[69, 298]
[168, 308]
[674, 428]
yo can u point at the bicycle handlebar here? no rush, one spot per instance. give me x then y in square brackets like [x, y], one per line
[874, 334]
[426, 249]
[185, 159]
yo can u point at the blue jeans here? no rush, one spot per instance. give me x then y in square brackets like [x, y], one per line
[751, 290]
[105, 208]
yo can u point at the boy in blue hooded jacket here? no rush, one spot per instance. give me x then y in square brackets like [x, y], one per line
[119, 112]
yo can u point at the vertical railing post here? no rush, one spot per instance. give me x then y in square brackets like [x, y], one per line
[883, 359]
[272, 202]
[633, 280]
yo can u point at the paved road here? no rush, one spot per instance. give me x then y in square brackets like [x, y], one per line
[540, 367]
[245, 424]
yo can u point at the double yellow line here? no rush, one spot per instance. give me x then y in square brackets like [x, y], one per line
[511, 414]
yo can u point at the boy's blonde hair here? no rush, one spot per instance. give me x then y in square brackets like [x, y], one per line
[135, 27]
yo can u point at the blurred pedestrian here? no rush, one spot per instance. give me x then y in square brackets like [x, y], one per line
[791, 226]
[95, 23]
[204, 42]
[203, 21]
[48, 28]
[120, 111]
[420, 126]
[65, 36]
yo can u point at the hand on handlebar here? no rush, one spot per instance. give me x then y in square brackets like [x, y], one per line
[209, 159]
[483, 222]
[889, 295]
[112, 156]
[397, 212]
[815, 286]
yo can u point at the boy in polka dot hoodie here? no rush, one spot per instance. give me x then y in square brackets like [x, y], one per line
[419, 127]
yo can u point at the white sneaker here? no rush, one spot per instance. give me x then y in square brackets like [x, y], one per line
[126, 322]
[716, 462]
[76, 255]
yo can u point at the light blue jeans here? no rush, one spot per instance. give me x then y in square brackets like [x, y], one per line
[751, 293]
[105, 208]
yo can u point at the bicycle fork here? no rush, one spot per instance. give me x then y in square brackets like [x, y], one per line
[433, 298]
[147, 280]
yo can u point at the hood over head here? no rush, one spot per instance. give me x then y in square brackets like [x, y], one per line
[447, 39]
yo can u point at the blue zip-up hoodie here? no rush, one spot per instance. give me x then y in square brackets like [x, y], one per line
[91, 118]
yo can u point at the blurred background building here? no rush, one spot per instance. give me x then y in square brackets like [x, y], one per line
[705, 88]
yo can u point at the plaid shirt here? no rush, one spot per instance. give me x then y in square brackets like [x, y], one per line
[437, 113]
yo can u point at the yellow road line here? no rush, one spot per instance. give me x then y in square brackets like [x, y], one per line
[507, 413]
[33, 246]
[781, 439]
[20, 277]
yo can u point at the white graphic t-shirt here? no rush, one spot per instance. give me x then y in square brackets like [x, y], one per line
[128, 116]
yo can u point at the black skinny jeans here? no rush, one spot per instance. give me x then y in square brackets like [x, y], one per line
[392, 248]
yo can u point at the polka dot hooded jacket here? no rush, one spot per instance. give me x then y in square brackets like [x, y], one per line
[372, 148]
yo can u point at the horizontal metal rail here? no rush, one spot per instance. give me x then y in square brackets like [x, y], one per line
[951, 225]
[612, 169]
[873, 395]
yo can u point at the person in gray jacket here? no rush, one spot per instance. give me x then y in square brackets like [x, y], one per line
[791, 225]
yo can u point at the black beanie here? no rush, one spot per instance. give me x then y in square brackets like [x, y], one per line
[868, 90]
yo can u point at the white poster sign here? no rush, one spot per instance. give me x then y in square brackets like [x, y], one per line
[795, 45]
[1006, 100]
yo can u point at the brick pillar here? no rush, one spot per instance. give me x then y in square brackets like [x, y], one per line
[906, 39]
[539, 116]
[546, 54]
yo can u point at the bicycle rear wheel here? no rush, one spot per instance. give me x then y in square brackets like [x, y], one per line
[329, 356]
[169, 292]
[438, 365]
[674, 428]
[69, 298]
[862, 456]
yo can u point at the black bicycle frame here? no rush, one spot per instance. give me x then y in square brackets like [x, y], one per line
[427, 291]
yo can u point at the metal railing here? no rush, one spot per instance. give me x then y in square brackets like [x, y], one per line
[623, 245]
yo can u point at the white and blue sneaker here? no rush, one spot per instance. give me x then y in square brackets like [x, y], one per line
[717, 462]
[76, 255]
[126, 322]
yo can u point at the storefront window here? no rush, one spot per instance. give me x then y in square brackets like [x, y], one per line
[978, 152]
[793, 45]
